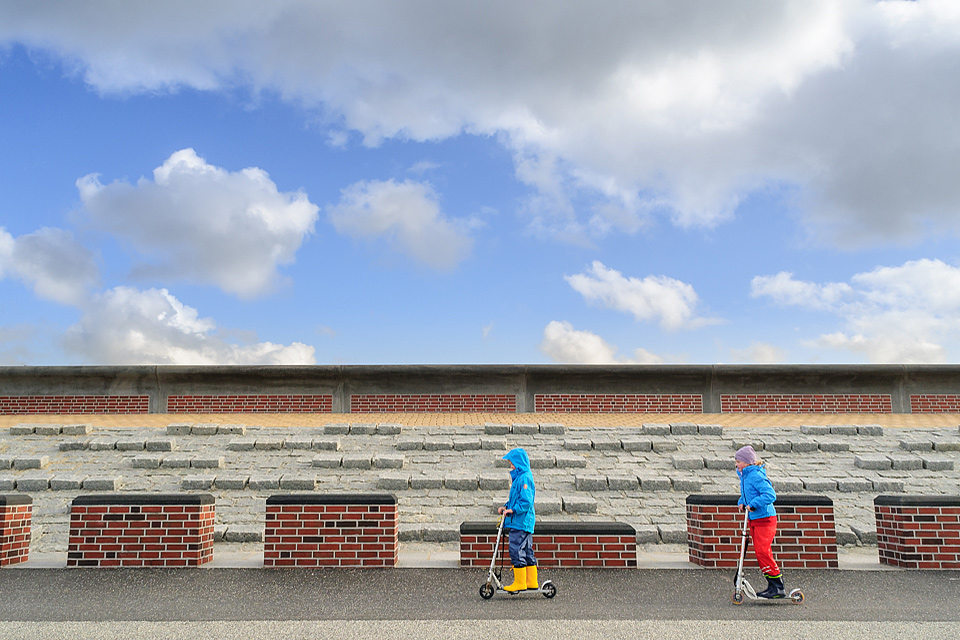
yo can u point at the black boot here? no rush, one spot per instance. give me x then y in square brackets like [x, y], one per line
[774, 588]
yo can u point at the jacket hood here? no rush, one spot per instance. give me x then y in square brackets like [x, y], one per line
[519, 459]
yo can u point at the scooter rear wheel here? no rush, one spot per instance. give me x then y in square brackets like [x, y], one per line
[486, 591]
[737, 598]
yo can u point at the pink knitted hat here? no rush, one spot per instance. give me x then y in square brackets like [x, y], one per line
[746, 454]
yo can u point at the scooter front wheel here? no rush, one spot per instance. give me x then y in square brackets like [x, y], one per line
[486, 591]
[797, 596]
[548, 590]
[737, 598]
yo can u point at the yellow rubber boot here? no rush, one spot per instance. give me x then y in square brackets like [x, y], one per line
[519, 580]
[532, 577]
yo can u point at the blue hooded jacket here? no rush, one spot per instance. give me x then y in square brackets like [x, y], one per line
[757, 492]
[522, 493]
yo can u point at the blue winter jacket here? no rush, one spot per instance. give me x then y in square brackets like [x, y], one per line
[522, 492]
[757, 492]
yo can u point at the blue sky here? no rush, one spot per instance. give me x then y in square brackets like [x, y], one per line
[434, 182]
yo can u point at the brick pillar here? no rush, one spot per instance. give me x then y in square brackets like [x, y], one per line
[918, 532]
[806, 533]
[331, 530]
[605, 545]
[141, 530]
[15, 519]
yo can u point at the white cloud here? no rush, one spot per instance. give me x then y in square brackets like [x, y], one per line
[407, 214]
[203, 223]
[564, 344]
[759, 353]
[654, 298]
[905, 314]
[51, 262]
[128, 326]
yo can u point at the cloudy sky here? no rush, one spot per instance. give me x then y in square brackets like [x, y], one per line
[658, 181]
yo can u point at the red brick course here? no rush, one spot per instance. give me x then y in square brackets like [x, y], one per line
[618, 403]
[935, 403]
[806, 533]
[918, 532]
[433, 403]
[252, 403]
[332, 530]
[73, 405]
[141, 530]
[805, 403]
[605, 545]
[15, 519]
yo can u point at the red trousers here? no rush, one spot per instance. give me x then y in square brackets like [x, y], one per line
[762, 531]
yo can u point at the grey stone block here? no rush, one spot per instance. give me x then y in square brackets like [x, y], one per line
[653, 429]
[243, 444]
[633, 444]
[687, 462]
[843, 429]
[884, 485]
[298, 482]
[197, 483]
[435, 532]
[393, 482]
[906, 463]
[590, 483]
[231, 483]
[357, 461]
[6, 464]
[756, 444]
[102, 483]
[331, 461]
[238, 533]
[608, 445]
[131, 445]
[683, 429]
[494, 482]
[326, 444]
[802, 446]
[298, 444]
[686, 484]
[815, 429]
[466, 444]
[777, 446]
[655, 484]
[49, 429]
[665, 446]
[207, 463]
[461, 482]
[623, 483]
[409, 532]
[854, 485]
[525, 429]
[33, 483]
[175, 462]
[434, 444]
[7, 483]
[430, 482]
[820, 485]
[363, 429]
[494, 444]
[710, 429]
[23, 429]
[672, 534]
[846, 538]
[336, 429]
[410, 444]
[161, 444]
[947, 446]
[787, 485]
[205, 429]
[548, 505]
[73, 445]
[542, 462]
[179, 428]
[268, 444]
[937, 464]
[577, 445]
[147, 462]
[834, 447]
[568, 461]
[870, 430]
[232, 430]
[552, 429]
[648, 534]
[865, 533]
[38, 462]
[725, 464]
[579, 504]
[66, 483]
[874, 463]
[916, 445]
[264, 483]
[102, 444]
[219, 532]
[496, 429]
[388, 462]
[389, 429]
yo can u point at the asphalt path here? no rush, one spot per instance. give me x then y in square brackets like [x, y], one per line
[442, 603]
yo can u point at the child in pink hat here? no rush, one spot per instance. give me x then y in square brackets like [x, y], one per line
[757, 496]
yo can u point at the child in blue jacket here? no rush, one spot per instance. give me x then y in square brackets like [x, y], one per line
[757, 496]
[519, 518]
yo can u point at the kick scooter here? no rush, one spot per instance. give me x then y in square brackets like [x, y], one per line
[743, 587]
[493, 585]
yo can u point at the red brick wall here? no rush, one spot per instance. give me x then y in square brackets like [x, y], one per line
[618, 403]
[71, 405]
[335, 530]
[141, 530]
[565, 545]
[15, 519]
[805, 403]
[806, 533]
[433, 403]
[250, 404]
[918, 532]
[935, 403]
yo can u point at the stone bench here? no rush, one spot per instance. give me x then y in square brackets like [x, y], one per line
[331, 530]
[16, 513]
[918, 532]
[141, 530]
[806, 533]
[608, 545]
